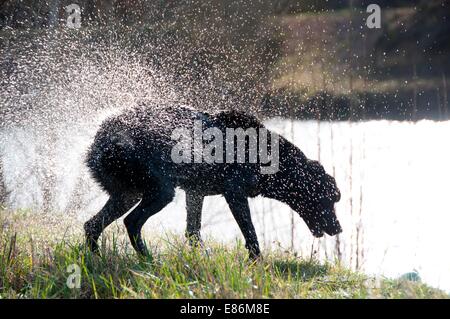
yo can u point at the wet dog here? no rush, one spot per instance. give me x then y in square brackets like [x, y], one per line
[135, 157]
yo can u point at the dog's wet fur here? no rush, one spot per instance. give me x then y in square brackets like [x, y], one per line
[131, 159]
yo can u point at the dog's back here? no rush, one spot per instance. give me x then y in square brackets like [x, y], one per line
[132, 148]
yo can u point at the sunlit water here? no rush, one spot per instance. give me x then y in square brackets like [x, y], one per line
[394, 209]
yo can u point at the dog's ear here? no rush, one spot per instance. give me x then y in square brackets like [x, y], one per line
[328, 187]
[315, 166]
[331, 189]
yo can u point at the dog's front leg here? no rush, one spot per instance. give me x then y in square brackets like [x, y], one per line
[238, 204]
[194, 204]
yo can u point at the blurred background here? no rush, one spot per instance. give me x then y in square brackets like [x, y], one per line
[306, 59]
[370, 103]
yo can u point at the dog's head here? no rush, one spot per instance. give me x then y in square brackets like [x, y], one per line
[312, 193]
[316, 196]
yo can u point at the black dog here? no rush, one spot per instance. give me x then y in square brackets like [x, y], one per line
[132, 159]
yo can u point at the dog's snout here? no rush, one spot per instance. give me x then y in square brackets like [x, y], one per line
[334, 229]
[330, 223]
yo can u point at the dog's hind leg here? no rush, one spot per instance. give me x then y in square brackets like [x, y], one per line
[115, 207]
[238, 204]
[152, 202]
[194, 204]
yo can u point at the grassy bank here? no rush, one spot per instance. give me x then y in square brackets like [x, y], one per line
[41, 268]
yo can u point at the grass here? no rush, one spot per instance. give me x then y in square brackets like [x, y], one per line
[41, 268]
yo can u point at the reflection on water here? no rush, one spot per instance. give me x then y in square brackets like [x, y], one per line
[393, 179]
